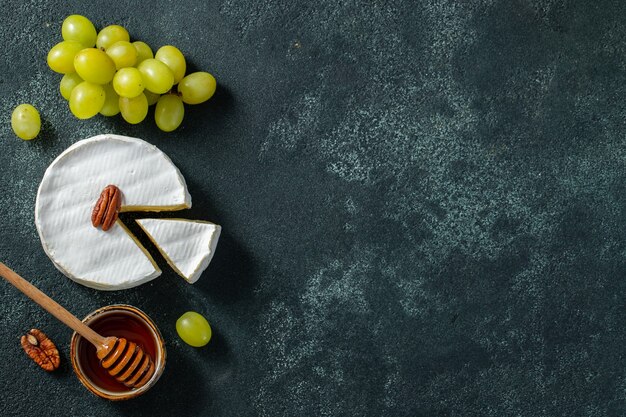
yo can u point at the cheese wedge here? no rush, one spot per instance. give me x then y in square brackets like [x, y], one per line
[187, 245]
[70, 187]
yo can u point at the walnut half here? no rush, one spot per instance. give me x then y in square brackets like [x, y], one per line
[40, 348]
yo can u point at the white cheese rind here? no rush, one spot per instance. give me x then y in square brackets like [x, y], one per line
[71, 185]
[187, 245]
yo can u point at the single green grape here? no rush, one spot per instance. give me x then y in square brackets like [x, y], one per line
[79, 29]
[67, 84]
[111, 34]
[173, 58]
[143, 51]
[111, 105]
[25, 121]
[152, 97]
[123, 54]
[197, 88]
[169, 112]
[135, 109]
[193, 329]
[94, 65]
[61, 56]
[128, 82]
[87, 100]
[157, 76]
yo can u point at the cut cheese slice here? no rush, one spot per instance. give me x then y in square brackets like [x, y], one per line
[71, 185]
[187, 245]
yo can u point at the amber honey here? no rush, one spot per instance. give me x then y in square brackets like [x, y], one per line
[121, 324]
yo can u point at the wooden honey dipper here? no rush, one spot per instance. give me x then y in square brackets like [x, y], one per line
[123, 360]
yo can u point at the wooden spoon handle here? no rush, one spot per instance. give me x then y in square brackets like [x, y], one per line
[51, 306]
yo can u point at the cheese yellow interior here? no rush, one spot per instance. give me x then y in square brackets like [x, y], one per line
[163, 253]
[155, 209]
[139, 245]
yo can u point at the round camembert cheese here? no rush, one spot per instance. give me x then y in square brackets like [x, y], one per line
[71, 185]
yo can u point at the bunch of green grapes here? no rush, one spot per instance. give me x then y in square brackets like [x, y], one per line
[106, 73]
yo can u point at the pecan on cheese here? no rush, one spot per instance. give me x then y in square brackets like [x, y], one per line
[107, 207]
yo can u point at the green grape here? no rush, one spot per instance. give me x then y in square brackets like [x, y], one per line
[128, 82]
[143, 51]
[67, 84]
[197, 88]
[25, 121]
[123, 54]
[152, 97]
[157, 76]
[169, 112]
[111, 105]
[94, 65]
[173, 58]
[79, 29]
[193, 329]
[61, 56]
[87, 100]
[111, 34]
[135, 109]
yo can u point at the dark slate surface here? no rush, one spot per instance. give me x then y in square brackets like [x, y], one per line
[423, 208]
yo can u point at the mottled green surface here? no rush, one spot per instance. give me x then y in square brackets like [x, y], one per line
[422, 203]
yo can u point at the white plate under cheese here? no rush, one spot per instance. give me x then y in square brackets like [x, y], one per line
[71, 185]
[187, 245]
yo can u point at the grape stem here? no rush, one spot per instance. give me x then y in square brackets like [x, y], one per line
[176, 93]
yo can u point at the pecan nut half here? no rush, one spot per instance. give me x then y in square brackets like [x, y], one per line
[40, 348]
[107, 207]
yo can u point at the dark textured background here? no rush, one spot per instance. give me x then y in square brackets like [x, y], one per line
[422, 203]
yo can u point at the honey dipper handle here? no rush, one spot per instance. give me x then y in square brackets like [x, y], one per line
[51, 306]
